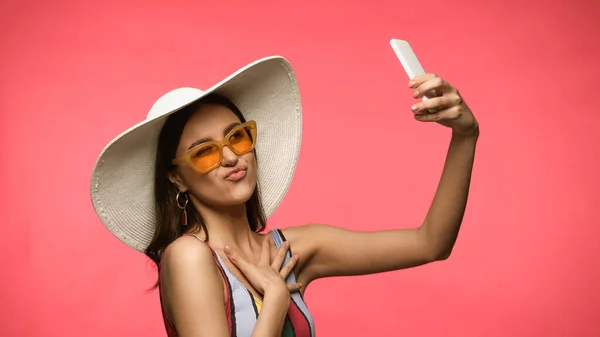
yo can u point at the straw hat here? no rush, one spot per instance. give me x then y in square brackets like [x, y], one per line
[123, 177]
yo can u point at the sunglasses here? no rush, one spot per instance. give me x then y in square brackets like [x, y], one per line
[208, 156]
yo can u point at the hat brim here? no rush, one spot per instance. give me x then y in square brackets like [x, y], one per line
[122, 185]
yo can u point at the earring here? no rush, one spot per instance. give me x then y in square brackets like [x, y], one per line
[184, 214]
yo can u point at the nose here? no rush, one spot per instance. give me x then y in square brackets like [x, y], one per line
[230, 159]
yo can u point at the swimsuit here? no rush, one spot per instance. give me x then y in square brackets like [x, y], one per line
[242, 308]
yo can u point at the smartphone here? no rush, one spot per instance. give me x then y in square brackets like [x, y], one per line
[408, 59]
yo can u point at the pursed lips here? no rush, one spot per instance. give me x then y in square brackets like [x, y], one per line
[234, 172]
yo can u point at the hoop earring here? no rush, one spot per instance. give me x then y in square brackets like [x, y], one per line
[184, 218]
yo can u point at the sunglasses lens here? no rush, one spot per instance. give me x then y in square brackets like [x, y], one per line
[206, 157]
[242, 140]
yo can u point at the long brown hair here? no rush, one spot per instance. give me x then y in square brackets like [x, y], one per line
[168, 215]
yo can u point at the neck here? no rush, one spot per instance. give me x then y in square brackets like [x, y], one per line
[227, 226]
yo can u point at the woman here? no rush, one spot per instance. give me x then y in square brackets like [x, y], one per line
[184, 187]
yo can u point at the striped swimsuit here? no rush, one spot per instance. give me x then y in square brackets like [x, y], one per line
[242, 308]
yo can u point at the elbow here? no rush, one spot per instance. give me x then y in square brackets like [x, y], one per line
[440, 255]
[444, 255]
[437, 248]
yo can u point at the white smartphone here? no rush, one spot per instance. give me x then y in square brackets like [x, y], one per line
[408, 59]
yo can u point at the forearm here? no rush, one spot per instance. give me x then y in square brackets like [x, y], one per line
[442, 223]
[272, 316]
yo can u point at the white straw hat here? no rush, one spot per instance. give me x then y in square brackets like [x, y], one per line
[122, 186]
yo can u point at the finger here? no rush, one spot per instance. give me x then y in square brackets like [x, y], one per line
[431, 88]
[280, 257]
[236, 259]
[289, 266]
[446, 114]
[294, 287]
[265, 252]
[437, 104]
[418, 80]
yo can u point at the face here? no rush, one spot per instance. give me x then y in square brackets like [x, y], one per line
[230, 183]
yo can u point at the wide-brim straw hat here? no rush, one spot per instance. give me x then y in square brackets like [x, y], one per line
[122, 186]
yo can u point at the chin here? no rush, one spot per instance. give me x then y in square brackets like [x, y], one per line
[240, 193]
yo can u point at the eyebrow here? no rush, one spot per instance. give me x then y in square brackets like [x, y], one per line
[226, 130]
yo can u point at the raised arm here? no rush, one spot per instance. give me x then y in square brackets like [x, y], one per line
[332, 251]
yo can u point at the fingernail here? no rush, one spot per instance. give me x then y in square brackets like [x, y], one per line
[411, 83]
[414, 108]
[416, 93]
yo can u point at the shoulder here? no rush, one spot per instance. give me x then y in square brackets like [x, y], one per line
[305, 239]
[307, 232]
[192, 288]
[187, 255]
[308, 239]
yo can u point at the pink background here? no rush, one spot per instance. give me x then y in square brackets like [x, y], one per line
[75, 74]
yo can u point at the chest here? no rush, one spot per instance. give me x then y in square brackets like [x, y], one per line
[243, 309]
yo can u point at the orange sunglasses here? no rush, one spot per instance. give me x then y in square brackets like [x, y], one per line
[208, 156]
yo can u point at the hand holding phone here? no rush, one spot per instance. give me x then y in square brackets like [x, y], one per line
[408, 59]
